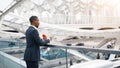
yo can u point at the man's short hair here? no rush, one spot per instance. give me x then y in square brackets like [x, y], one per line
[32, 18]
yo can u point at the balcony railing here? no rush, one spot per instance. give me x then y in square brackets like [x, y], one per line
[8, 61]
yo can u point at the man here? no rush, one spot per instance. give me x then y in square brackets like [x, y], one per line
[107, 55]
[32, 52]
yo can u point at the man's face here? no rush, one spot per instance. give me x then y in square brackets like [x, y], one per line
[36, 23]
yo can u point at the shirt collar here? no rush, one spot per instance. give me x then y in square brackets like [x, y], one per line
[34, 27]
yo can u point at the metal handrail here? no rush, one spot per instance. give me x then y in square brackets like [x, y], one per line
[100, 50]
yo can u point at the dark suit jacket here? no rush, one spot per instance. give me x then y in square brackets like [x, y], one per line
[32, 52]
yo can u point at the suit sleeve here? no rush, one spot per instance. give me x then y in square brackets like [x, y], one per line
[38, 39]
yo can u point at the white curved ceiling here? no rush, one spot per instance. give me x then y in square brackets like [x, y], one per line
[62, 8]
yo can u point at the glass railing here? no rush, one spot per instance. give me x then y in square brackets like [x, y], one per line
[11, 54]
[52, 56]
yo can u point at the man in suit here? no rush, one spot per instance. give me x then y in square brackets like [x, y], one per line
[32, 51]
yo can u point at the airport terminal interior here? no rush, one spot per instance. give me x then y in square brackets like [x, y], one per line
[82, 33]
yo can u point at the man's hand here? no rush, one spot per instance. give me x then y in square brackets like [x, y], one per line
[44, 37]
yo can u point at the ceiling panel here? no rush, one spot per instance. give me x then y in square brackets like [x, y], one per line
[4, 4]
